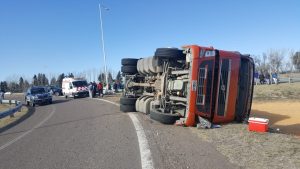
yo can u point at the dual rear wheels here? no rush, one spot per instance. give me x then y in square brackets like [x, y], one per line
[129, 66]
[144, 104]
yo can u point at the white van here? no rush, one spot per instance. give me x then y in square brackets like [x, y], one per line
[75, 87]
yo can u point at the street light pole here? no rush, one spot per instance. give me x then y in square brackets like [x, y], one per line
[103, 46]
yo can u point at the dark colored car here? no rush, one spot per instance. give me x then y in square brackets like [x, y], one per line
[55, 90]
[37, 95]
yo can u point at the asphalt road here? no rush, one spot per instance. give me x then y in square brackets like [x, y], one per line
[88, 133]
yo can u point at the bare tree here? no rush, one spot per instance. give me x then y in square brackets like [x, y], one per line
[257, 62]
[296, 60]
[275, 58]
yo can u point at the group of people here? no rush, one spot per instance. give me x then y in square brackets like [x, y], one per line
[265, 78]
[94, 88]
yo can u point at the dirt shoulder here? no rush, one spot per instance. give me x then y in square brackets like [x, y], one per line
[283, 115]
[253, 150]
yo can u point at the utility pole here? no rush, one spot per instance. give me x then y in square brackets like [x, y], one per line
[103, 46]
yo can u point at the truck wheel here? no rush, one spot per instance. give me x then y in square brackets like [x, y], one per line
[169, 53]
[129, 69]
[129, 62]
[147, 105]
[127, 101]
[127, 108]
[164, 118]
[137, 103]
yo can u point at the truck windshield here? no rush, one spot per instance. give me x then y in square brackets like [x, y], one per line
[79, 83]
[37, 90]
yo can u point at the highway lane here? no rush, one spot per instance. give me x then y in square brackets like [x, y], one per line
[81, 133]
[85, 133]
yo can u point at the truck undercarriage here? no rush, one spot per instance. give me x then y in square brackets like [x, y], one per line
[181, 85]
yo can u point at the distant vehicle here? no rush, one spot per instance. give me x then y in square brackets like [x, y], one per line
[55, 90]
[7, 93]
[37, 95]
[74, 87]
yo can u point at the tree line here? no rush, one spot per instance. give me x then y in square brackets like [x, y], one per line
[40, 79]
[280, 61]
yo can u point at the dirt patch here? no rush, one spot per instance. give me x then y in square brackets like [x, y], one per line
[283, 115]
[114, 98]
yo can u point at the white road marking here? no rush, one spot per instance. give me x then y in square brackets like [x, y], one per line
[145, 153]
[29, 131]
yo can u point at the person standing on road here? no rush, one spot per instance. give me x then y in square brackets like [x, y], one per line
[94, 89]
[115, 86]
[100, 89]
[90, 90]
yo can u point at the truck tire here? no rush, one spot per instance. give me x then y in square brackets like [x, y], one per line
[127, 101]
[127, 108]
[147, 105]
[129, 69]
[129, 62]
[169, 53]
[164, 118]
[137, 104]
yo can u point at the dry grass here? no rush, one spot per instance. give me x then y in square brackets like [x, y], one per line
[276, 92]
[253, 150]
[8, 120]
[4, 107]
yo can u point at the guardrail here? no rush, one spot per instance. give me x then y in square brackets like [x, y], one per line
[12, 111]
[289, 79]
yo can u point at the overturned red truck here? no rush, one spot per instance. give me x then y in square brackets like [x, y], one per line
[184, 84]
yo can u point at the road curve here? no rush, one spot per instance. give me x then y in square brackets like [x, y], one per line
[89, 133]
[81, 134]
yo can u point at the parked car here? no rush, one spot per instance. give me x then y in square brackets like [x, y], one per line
[55, 90]
[37, 95]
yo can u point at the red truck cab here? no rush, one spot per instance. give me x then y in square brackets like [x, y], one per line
[221, 85]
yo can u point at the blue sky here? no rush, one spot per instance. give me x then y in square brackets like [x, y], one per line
[55, 36]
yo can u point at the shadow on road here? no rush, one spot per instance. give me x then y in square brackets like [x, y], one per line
[30, 112]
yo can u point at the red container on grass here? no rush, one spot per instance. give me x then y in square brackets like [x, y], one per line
[258, 124]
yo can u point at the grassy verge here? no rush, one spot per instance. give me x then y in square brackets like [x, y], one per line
[277, 92]
[4, 107]
[8, 120]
